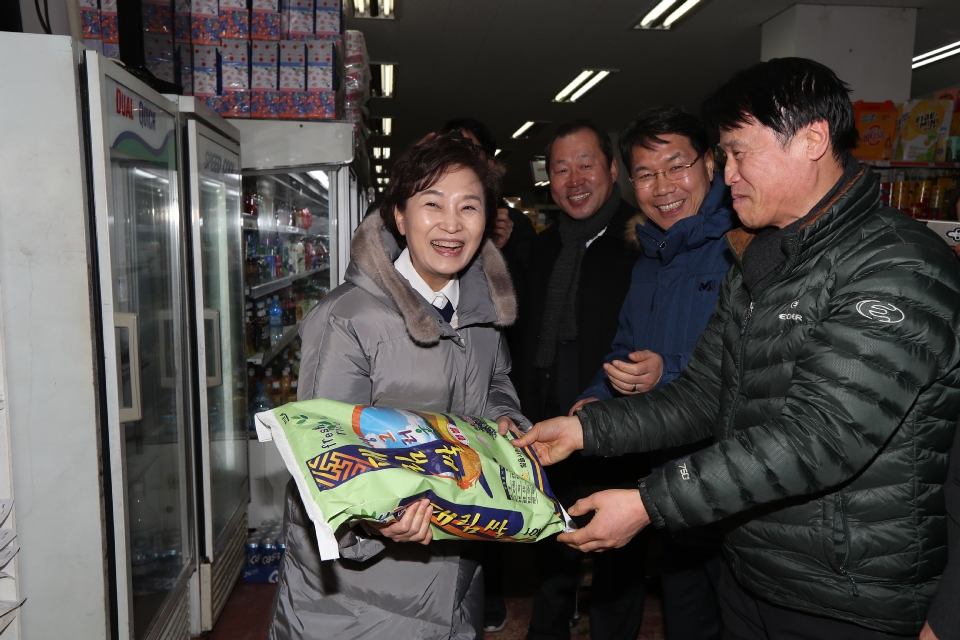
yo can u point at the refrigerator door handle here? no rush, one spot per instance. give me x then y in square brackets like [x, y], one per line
[211, 320]
[129, 322]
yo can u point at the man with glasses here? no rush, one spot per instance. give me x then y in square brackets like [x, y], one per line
[673, 290]
[829, 374]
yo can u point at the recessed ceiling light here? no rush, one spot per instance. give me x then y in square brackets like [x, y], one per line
[579, 93]
[523, 129]
[386, 80]
[656, 12]
[576, 82]
[386, 126]
[497, 152]
[936, 54]
[653, 18]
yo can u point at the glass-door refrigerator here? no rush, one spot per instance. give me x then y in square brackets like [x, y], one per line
[93, 263]
[213, 199]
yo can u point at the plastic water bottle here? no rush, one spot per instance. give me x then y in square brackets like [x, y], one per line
[259, 402]
[276, 321]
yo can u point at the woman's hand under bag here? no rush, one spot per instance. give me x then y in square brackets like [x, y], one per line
[414, 526]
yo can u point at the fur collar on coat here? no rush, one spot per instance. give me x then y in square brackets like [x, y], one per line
[373, 250]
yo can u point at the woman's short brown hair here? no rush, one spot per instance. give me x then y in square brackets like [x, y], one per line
[426, 162]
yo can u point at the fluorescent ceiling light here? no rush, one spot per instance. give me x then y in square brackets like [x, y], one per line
[543, 183]
[321, 177]
[387, 126]
[590, 85]
[386, 8]
[360, 6]
[497, 152]
[570, 88]
[386, 80]
[679, 13]
[386, 153]
[936, 54]
[519, 132]
[657, 11]
[936, 51]
[378, 152]
[378, 168]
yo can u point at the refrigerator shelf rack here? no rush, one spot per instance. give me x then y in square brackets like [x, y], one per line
[289, 333]
[266, 288]
[252, 223]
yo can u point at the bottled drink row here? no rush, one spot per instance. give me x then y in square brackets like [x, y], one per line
[266, 319]
[275, 384]
[928, 194]
[273, 256]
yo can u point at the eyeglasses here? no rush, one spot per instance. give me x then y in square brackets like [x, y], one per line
[646, 179]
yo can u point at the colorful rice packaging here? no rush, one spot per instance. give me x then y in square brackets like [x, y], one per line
[354, 462]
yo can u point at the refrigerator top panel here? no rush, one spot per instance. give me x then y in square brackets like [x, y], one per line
[277, 145]
[195, 108]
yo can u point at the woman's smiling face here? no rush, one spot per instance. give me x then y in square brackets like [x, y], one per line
[443, 226]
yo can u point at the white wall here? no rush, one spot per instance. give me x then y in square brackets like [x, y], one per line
[871, 48]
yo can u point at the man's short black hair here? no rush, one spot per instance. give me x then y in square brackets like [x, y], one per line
[576, 126]
[648, 127]
[488, 143]
[786, 94]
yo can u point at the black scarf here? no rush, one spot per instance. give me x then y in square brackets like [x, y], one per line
[560, 312]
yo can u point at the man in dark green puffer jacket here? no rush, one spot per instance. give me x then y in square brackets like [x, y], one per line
[828, 375]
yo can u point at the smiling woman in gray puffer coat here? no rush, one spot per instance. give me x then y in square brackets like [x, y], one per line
[416, 325]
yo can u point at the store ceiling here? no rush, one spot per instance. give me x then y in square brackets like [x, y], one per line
[502, 61]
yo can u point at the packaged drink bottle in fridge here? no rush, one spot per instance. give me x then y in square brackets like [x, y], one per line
[260, 401]
[262, 330]
[276, 321]
[249, 333]
[285, 384]
[293, 390]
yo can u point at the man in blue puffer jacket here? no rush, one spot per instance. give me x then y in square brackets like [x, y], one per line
[672, 293]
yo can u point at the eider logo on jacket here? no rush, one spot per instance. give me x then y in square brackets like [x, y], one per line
[880, 311]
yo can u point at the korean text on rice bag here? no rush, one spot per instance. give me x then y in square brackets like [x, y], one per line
[354, 462]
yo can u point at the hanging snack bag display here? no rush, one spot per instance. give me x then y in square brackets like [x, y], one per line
[354, 463]
[924, 129]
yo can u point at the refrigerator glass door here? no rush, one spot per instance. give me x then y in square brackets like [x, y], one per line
[215, 183]
[145, 245]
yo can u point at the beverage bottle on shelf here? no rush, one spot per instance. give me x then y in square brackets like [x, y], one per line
[295, 369]
[293, 390]
[276, 321]
[259, 401]
[289, 314]
[285, 384]
[261, 334]
[295, 253]
[310, 255]
[301, 258]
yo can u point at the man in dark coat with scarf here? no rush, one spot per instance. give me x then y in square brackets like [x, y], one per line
[579, 276]
[673, 290]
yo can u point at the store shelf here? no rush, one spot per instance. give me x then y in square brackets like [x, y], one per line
[261, 359]
[267, 288]
[252, 223]
[892, 164]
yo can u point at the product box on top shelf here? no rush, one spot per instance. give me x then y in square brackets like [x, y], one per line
[181, 21]
[328, 17]
[234, 19]
[264, 79]
[265, 20]
[110, 29]
[158, 49]
[293, 79]
[157, 16]
[205, 84]
[183, 63]
[234, 78]
[877, 125]
[205, 22]
[90, 20]
[296, 19]
[320, 65]
[924, 128]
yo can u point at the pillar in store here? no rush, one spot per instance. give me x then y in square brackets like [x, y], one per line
[871, 48]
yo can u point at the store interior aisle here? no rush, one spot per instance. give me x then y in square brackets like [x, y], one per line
[247, 612]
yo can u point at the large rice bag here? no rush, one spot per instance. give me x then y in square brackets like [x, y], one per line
[354, 462]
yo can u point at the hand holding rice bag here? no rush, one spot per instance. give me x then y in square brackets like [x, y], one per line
[354, 462]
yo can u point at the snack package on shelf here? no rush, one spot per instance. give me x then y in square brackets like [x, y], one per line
[205, 85]
[877, 124]
[954, 95]
[158, 49]
[181, 22]
[297, 19]
[90, 22]
[353, 463]
[264, 79]
[235, 78]
[183, 59]
[327, 18]
[924, 128]
[265, 20]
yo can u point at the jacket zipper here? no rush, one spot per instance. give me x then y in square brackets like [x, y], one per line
[743, 345]
[846, 543]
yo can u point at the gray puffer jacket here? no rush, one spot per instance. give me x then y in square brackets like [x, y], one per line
[375, 341]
